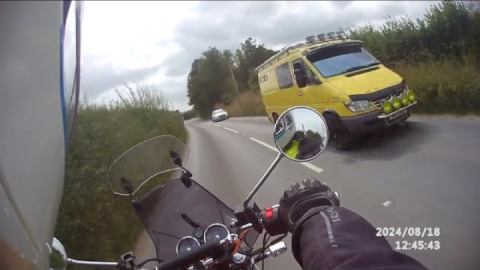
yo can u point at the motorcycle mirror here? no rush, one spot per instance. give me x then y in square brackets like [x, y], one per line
[58, 257]
[177, 160]
[301, 134]
[126, 185]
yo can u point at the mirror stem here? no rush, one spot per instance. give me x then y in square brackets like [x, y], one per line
[264, 177]
[72, 261]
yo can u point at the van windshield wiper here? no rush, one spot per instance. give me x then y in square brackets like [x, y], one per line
[360, 67]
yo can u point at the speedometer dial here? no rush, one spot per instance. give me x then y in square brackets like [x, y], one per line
[216, 231]
[186, 244]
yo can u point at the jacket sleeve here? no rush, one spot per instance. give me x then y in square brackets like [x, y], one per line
[335, 238]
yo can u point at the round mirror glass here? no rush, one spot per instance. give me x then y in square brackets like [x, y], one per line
[58, 257]
[301, 133]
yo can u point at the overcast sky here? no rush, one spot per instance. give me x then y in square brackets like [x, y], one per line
[157, 41]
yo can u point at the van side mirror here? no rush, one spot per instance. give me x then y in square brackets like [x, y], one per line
[300, 78]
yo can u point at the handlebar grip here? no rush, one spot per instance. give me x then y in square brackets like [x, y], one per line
[193, 256]
[272, 222]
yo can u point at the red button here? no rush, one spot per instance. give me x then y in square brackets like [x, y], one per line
[268, 212]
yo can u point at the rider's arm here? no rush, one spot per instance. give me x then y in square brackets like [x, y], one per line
[336, 238]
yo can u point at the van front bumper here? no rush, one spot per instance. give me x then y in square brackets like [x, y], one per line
[375, 120]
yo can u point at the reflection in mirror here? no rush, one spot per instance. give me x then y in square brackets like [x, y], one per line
[301, 133]
[58, 257]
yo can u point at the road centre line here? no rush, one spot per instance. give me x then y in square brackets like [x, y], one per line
[306, 164]
[230, 130]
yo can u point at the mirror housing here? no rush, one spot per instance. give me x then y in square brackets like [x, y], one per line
[301, 134]
[58, 256]
[177, 160]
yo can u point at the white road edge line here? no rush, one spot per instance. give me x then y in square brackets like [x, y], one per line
[306, 164]
[217, 125]
[312, 167]
[231, 130]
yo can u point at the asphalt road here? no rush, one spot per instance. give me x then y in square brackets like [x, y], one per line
[426, 174]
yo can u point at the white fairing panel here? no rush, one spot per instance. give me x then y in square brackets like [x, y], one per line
[31, 131]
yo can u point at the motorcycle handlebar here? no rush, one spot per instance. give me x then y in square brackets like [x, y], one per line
[271, 221]
[197, 254]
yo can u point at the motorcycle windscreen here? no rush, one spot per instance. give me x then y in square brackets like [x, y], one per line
[161, 214]
[144, 161]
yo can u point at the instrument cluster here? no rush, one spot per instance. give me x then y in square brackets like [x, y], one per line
[199, 237]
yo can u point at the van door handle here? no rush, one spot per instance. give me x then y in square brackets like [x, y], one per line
[300, 93]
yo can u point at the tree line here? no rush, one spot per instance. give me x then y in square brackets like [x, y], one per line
[448, 29]
[218, 76]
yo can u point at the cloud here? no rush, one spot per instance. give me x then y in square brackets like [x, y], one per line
[225, 25]
[100, 77]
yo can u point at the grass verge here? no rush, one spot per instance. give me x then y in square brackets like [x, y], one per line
[94, 224]
[443, 86]
[246, 104]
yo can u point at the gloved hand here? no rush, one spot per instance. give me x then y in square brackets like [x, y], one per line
[297, 200]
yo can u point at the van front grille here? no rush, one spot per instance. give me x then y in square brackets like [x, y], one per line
[380, 95]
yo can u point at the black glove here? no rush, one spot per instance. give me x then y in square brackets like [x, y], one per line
[297, 200]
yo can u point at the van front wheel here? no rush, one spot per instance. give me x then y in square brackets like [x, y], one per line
[332, 122]
[343, 140]
[338, 132]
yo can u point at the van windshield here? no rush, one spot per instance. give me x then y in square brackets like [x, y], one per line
[341, 59]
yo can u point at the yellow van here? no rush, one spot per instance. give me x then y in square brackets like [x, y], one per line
[339, 78]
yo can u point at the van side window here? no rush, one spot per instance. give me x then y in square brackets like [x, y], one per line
[263, 79]
[284, 76]
[312, 78]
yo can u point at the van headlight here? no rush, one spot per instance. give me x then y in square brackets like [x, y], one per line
[359, 106]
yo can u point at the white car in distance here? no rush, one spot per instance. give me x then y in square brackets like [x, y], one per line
[219, 115]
